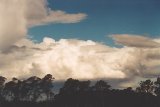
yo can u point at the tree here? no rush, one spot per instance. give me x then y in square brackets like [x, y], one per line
[157, 86]
[145, 87]
[2, 81]
[12, 89]
[47, 86]
[70, 86]
[30, 88]
[102, 86]
[84, 85]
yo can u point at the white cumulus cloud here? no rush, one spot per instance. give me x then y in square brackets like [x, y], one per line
[78, 59]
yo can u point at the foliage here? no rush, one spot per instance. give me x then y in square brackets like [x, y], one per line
[38, 92]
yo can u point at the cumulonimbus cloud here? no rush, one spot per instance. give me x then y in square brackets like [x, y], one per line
[78, 59]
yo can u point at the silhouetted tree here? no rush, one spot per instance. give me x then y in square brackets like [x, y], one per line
[2, 81]
[70, 86]
[128, 90]
[102, 86]
[84, 85]
[12, 89]
[31, 88]
[146, 87]
[47, 86]
[76, 93]
[157, 86]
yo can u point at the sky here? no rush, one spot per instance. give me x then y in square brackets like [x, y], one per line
[104, 18]
[114, 40]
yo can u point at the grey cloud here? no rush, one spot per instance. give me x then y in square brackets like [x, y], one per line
[19, 15]
[135, 41]
[37, 13]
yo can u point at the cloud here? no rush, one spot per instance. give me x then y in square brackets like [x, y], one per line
[37, 13]
[21, 57]
[79, 59]
[135, 41]
[12, 22]
[17, 16]
[64, 59]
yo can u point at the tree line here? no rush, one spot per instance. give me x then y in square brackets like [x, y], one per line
[38, 92]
